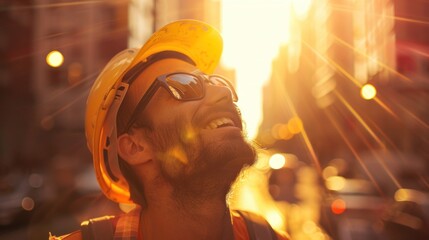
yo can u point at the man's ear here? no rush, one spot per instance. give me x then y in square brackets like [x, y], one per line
[134, 149]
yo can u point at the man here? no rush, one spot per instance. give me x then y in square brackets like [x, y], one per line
[166, 135]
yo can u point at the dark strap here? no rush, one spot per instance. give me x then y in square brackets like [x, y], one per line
[257, 227]
[101, 228]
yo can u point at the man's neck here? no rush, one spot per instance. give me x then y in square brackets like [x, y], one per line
[172, 220]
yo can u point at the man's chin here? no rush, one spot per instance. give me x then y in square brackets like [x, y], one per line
[230, 149]
[224, 163]
[220, 158]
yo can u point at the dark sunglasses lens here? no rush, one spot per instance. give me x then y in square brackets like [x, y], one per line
[185, 86]
[219, 81]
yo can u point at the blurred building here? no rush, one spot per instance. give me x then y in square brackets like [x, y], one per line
[51, 52]
[47, 103]
[44, 105]
[16, 95]
[314, 106]
[411, 88]
[338, 48]
[86, 35]
[411, 21]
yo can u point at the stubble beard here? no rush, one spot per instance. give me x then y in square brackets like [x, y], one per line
[196, 168]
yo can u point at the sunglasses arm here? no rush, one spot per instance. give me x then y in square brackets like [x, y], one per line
[142, 104]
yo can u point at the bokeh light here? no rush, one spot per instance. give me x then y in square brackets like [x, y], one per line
[368, 92]
[295, 125]
[54, 58]
[27, 203]
[338, 206]
[36, 180]
[410, 195]
[277, 161]
[335, 183]
[329, 171]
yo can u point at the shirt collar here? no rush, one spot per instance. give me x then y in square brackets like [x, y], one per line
[127, 227]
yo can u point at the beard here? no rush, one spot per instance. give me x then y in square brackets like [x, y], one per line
[199, 167]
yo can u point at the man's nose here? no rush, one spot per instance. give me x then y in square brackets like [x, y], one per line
[218, 94]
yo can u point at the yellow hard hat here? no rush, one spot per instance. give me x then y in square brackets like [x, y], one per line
[197, 40]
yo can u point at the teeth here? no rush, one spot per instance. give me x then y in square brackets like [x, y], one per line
[219, 122]
[212, 125]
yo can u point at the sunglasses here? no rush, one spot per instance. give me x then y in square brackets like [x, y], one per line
[182, 86]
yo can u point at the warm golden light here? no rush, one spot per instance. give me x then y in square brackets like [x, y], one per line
[368, 92]
[295, 125]
[329, 171]
[410, 195]
[189, 134]
[178, 153]
[281, 131]
[275, 130]
[401, 195]
[309, 227]
[275, 218]
[335, 183]
[126, 207]
[253, 32]
[301, 7]
[277, 161]
[54, 58]
[284, 132]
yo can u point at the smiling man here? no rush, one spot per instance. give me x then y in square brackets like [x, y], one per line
[165, 134]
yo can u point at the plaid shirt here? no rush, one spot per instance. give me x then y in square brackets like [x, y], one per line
[127, 228]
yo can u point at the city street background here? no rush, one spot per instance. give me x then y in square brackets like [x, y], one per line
[335, 93]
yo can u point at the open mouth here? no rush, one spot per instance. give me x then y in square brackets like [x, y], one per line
[220, 123]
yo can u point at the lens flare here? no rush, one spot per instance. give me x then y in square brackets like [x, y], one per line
[178, 153]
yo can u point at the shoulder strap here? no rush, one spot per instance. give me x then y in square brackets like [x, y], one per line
[257, 227]
[101, 228]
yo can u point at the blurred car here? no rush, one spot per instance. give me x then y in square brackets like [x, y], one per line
[408, 216]
[351, 209]
[19, 196]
